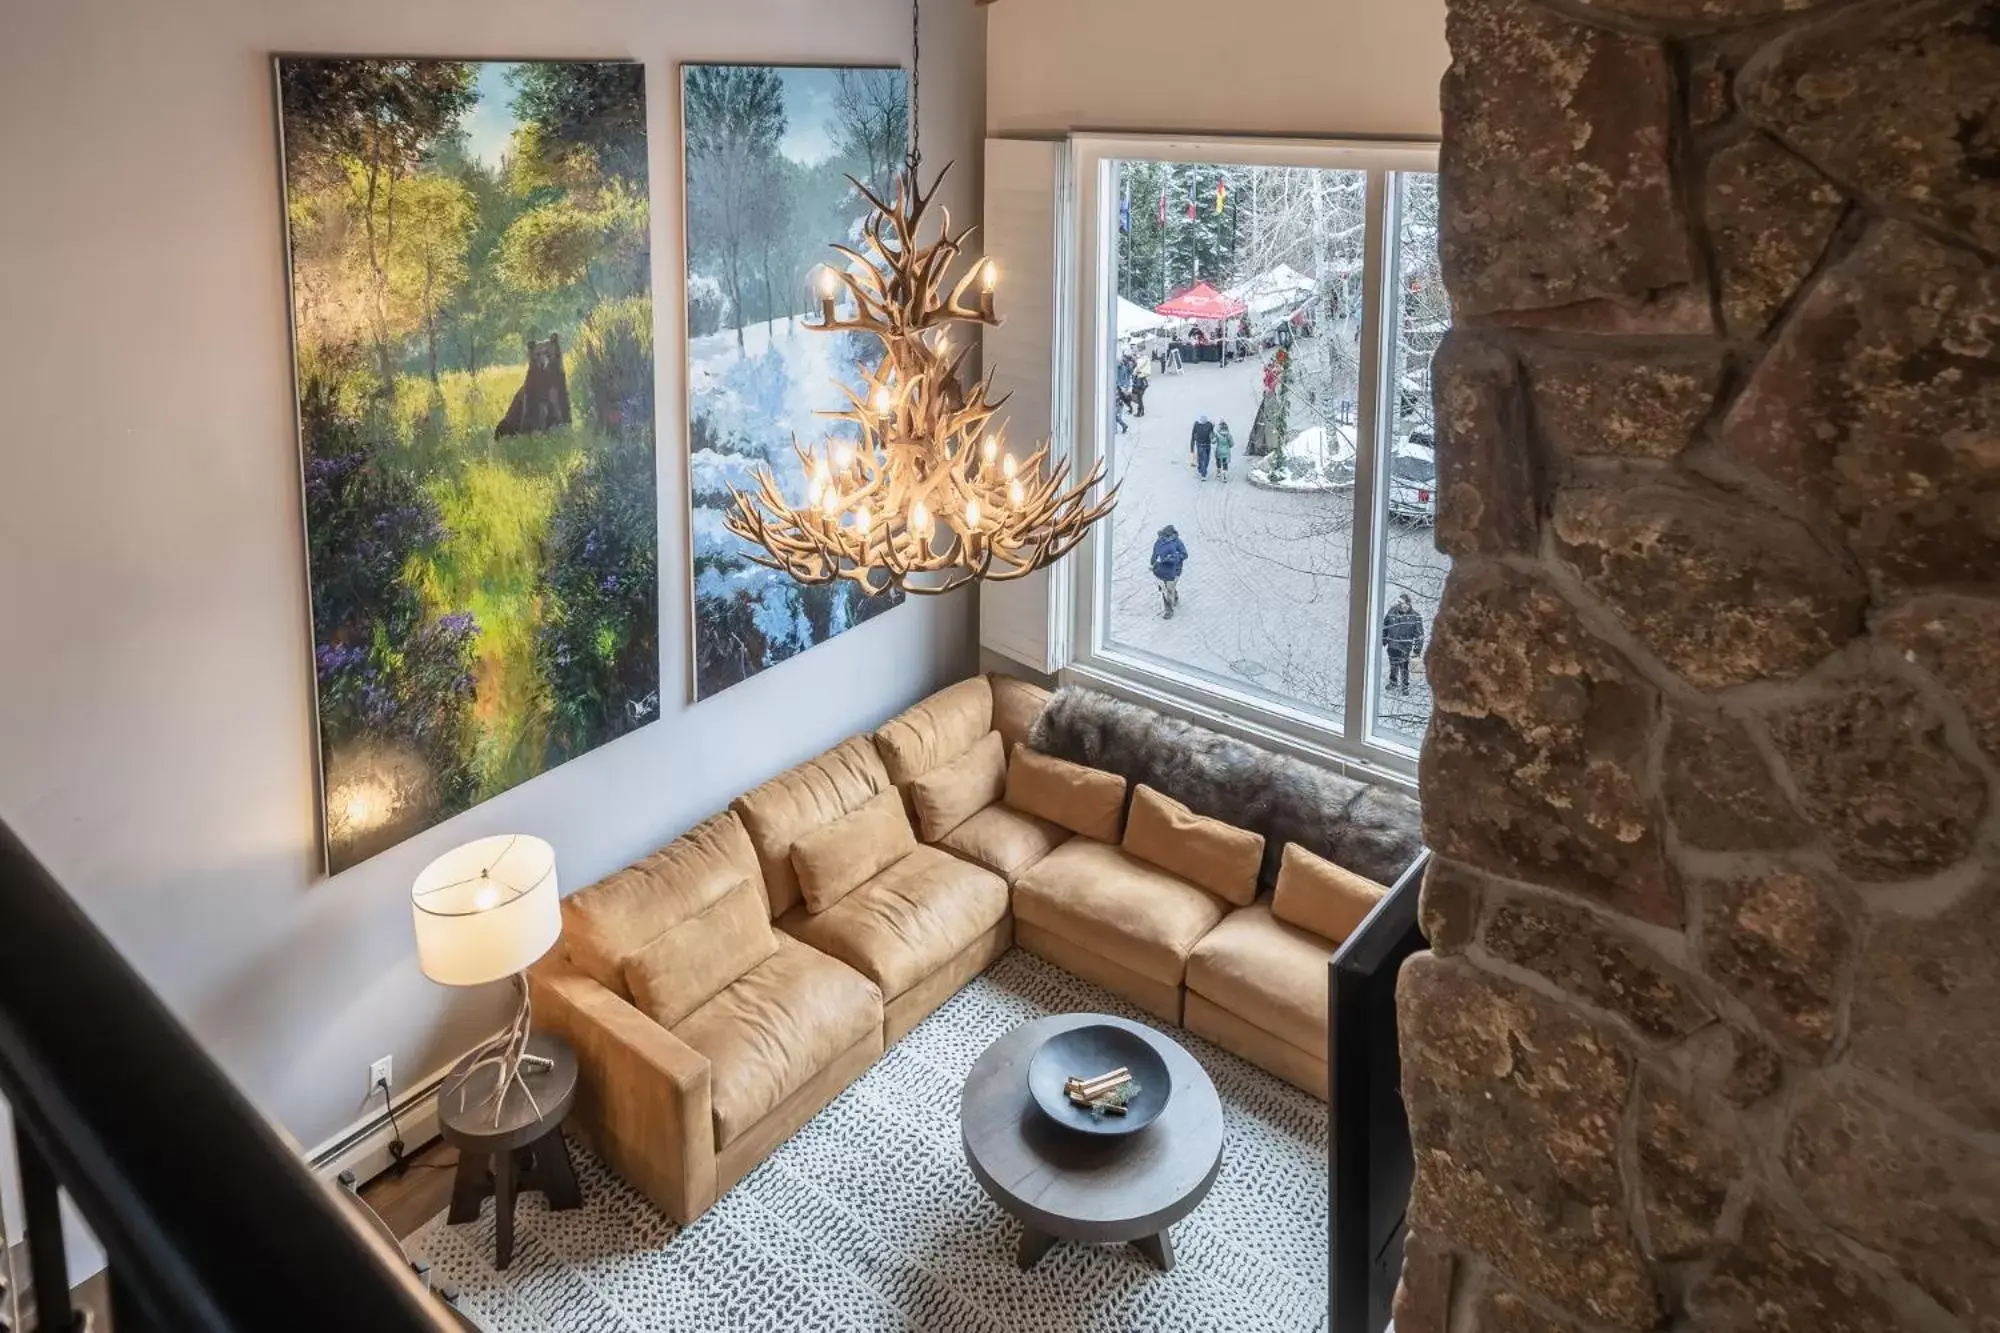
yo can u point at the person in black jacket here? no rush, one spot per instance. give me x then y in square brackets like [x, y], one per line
[1403, 637]
[1199, 445]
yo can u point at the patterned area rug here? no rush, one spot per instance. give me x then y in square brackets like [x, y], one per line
[869, 1219]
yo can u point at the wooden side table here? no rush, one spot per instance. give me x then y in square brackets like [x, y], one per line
[524, 1151]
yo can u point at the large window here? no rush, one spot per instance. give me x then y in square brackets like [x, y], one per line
[1257, 326]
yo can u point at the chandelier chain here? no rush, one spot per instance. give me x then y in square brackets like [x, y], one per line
[916, 83]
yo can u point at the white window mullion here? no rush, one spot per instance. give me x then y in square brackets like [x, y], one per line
[1370, 464]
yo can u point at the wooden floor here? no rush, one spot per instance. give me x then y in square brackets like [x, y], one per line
[423, 1191]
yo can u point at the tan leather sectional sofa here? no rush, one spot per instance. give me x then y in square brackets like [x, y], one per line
[725, 989]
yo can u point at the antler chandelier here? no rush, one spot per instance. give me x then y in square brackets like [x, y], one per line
[921, 492]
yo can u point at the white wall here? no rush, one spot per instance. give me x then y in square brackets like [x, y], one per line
[155, 709]
[1309, 67]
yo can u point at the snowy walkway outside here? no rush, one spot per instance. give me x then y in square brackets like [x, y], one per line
[1264, 597]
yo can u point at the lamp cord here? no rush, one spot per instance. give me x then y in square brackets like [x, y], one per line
[916, 83]
[397, 1162]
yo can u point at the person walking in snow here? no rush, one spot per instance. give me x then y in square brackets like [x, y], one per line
[1170, 555]
[1200, 443]
[1403, 638]
[1225, 445]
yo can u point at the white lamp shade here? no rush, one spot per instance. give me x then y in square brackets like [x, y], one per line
[486, 910]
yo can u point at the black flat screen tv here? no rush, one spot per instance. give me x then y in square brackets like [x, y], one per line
[1368, 1135]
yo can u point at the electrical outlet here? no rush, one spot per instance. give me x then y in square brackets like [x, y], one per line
[381, 1072]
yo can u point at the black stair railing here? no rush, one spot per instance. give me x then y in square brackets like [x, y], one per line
[209, 1221]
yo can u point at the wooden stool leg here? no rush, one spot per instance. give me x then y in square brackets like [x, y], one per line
[503, 1208]
[556, 1174]
[1034, 1244]
[1158, 1248]
[469, 1188]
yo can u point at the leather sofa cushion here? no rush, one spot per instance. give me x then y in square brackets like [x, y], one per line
[779, 1024]
[1004, 840]
[1083, 800]
[1016, 705]
[621, 914]
[835, 859]
[1205, 852]
[688, 965]
[1266, 972]
[908, 921]
[952, 793]
[802, 799]
[1117, 907]
[936, 731]
[1317, 895]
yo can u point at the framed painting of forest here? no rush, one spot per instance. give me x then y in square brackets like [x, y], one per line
[769, 151]
[472, 331]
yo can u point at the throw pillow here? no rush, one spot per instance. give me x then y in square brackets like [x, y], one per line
[835, 859]
[1083, 800]
[697, 960]
[947, 796]
[1317, 895]
[1205, 852]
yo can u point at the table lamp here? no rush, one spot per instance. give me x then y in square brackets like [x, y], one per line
[485, 912]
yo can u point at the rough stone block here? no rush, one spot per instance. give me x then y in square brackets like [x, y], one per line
[1606, 402]
[1925, 1199]
[1779, 942]
[1487, 500]
[1547, 119]
[1719, 791]
[1538, 735]
[1756, 1071]
[1770, 217]
[1423, 1292]
[1448, 905]
[1877, 779]
[1776, 1280]
[1926, 1010]
[1499, 1310]
[1900, 101]
[1876, 407]
[1700, 15]
[1586, 957]
[1722, 591]
[1711, 90]
[1956, 639]
[1687, 1164]
[1514, 1107]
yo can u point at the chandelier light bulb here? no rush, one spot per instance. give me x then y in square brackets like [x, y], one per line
[989, 278]
[829, 283]
[920, 519]
[843, 455]
[861, 520]
[829, 503]
[972, 513]
[815, 489]
[990, 448]
[1015, 494]
[1008, 467]
[883, 402]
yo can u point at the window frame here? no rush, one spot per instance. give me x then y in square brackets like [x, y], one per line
[1086, 303]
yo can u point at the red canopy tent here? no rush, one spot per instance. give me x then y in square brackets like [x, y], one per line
[1201, 301]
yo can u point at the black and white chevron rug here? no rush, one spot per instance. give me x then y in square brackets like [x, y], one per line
[868, 1218]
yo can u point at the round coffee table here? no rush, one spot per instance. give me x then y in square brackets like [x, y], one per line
[1063, 1185]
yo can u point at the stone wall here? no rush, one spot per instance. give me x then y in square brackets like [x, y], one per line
[1709, 1036]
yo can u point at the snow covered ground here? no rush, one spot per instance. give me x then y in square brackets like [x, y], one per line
[1264, 598]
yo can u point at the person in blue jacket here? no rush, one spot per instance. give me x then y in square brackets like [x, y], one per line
[1169, 556]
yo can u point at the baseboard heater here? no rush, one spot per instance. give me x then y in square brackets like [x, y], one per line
[1369, 1161]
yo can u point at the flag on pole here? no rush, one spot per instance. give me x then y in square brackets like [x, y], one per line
[1193, 191]
[1163, 206]
[1125, 209]
[1221, 195]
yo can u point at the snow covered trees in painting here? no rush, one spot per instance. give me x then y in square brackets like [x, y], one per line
[769, 150]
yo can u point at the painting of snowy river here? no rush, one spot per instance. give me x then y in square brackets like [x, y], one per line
[769, 150]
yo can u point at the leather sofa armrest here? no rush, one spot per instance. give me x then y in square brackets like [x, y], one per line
[643, 1098]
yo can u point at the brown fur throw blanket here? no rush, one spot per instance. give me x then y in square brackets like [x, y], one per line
[1371, 830]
